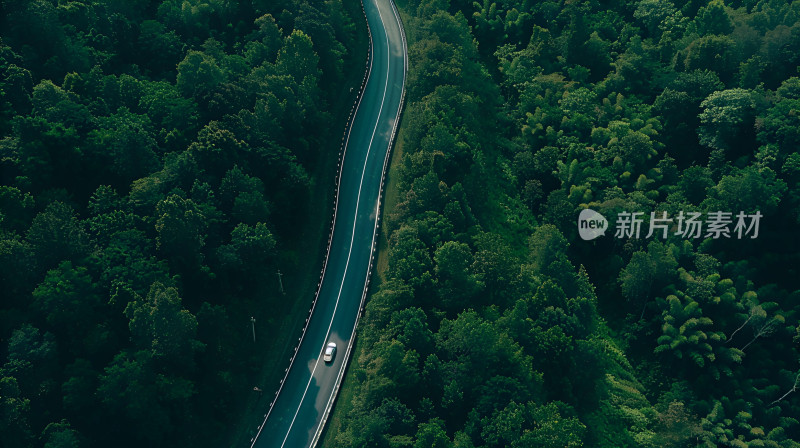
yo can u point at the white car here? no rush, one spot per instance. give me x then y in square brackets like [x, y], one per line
[330, 352]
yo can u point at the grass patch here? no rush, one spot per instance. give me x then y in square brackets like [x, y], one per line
[391, 198]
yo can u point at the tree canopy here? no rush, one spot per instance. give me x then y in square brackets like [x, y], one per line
[156, 158]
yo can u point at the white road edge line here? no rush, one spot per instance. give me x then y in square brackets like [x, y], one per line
[355, 219]
[330, 238]
[339, 377]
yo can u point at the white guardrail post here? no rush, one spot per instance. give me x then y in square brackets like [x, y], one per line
[339, 378]
[342, 150]
[337, 179]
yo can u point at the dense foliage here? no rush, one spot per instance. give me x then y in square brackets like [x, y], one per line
[156, 160]
[496, 326]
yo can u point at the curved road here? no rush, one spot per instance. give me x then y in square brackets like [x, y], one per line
[298, 414]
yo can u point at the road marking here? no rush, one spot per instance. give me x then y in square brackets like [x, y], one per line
[373, 246]
[375, 225]
[355, 219]
[333, 219]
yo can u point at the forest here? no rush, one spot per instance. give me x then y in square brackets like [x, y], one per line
[158, 159]
[494, 324]
[157, 162]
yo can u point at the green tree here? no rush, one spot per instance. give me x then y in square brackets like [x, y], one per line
[686, 332]
[647, 272]
[652, 13]
[551, 428]
[747, 190]
[17, 268]
[56, 234]
[61, 435]
[676, 426]
[695, 183]
[160, 49]
[494, 264]
[40, 143]
[217, 149]
[488, 23]
[456, 284]
[174, 117]
[410, 327]
[410, 260]
[251, 250]
[712, 52]
[14, 410]
[727, 118]
[138, 398]
[432, 435]
[713, 19]
[125, 143]
[160, 325]
[17, 207]
[68, 299]
[79, 387]
[58, 106]
[32, 359]
[267, 41]
[198, 74]
[237, 182]
[17, 85]
[181, 230]
[298, 59]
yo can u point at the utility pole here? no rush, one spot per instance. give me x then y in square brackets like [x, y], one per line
[280, 281]
[253, 323]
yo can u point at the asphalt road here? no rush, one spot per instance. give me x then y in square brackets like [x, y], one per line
[298, 414]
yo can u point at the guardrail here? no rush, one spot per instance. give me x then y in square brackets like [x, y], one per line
[351, 344]
[339, 166]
